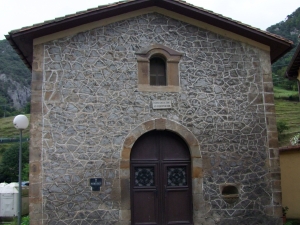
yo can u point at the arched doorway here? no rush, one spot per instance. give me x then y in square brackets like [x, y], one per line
[160, 180]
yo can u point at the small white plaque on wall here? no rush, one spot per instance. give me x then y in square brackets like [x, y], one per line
[162, 104]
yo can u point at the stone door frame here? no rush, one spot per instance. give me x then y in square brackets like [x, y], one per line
[196, 161]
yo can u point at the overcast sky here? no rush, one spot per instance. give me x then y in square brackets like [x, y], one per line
[15, 14]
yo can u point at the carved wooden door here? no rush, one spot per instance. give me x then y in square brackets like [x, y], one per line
[160, 180]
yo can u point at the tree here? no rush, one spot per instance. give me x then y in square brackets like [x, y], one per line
[27, 108]
[9, 167]
[25, 171]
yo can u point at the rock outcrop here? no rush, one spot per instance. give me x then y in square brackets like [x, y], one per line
[17, 92]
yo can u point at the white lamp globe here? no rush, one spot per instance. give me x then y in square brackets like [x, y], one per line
[21, 122]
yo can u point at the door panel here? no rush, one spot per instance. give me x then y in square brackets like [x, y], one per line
[177, 208]
[145, 207]
[144, 193]
[172, 146]
[147, 148]
[161, 190]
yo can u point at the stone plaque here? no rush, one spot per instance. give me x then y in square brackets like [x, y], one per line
[96, 183]
[162, 104]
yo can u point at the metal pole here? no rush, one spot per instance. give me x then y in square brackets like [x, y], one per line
[20, 181]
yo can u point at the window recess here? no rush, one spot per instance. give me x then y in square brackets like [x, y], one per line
[158, 69]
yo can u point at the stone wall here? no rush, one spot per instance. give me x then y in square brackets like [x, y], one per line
[91, 104]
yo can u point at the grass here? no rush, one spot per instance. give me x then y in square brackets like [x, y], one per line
[14, 221]
[7, 129]
[280, 93]
[287, 111]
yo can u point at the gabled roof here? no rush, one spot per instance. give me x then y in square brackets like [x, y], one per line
[22, 39]
[294, 65]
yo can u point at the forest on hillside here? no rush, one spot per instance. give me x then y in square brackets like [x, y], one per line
[290, 29]
[12, 65]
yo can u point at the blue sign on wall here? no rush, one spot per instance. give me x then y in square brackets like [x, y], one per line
[96, 183]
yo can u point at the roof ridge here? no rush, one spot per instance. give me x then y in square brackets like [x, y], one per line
[277, 44]
[71, 15]
[126, 1]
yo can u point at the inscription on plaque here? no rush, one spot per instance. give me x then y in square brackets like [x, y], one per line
[96, 183]
[162, 104]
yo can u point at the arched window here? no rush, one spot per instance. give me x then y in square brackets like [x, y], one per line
[157, 71]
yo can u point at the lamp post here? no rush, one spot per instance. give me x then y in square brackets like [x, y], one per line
[20, 122]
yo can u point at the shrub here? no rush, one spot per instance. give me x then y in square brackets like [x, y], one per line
[25, 220]
[282, 126]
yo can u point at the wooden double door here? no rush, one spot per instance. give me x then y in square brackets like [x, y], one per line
[160, 180]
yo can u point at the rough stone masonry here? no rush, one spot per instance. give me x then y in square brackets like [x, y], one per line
[88, 83]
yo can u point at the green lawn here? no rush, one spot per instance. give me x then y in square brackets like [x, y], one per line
[7, 129]
[280, 93]
[288, 112]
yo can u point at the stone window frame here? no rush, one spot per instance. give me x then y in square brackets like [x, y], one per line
[172, 72]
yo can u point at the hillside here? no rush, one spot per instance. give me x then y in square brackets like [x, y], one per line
[8, 130]
[15, 79]
[288, 113]
[9, 134]
[290, 29]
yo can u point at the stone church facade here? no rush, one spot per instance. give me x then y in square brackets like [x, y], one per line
[94, 111]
